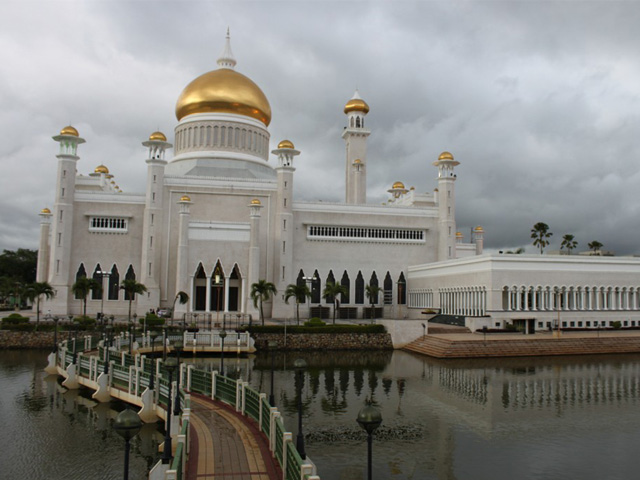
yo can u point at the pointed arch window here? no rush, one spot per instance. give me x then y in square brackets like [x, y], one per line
[359, 289]
[300, 280]
[330, 279]
[373, 282]
[130, 275]
[80, 273]
[345, 282]
[402, 289]
[388, 289]
[114, 284]
[96, 294]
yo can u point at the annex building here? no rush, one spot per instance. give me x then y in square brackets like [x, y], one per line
[218, 215]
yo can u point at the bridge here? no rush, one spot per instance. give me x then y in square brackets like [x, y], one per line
[260, 449]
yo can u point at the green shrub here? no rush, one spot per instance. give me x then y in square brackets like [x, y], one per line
[85, 323]
[324, 329]
[314, 322]
[616, 325]
[14, 319]
[19, 327]
[152, 320]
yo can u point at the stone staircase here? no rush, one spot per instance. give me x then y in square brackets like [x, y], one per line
[439, 347]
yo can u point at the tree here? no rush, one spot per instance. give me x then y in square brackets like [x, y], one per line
[372, 291]
[595, 246]
[132, 288]
[518, 251]
[36, 291]
[331, 292]
[82, 288]
[569, 243]
[300, 292]
[262, 291]
[540, 233]
[181, 297]
[19, 265]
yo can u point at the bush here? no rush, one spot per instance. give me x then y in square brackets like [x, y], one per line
[14, 319]
[616, 325]
[85, 323]
[19, 327]
[152, 320]
[314, 322]
[323, 329]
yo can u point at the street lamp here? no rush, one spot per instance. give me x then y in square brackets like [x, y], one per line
[127, 425]
[300, 366]
[164, 343]
[272, 348]
[218, 286]
[177, 346]
[369, 418]
[169, 365]
[223, 335]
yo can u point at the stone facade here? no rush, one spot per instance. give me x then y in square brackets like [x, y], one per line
[324, 341]
[24, 340]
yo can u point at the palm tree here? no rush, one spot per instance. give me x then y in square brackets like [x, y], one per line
[518, 251]
[182, 297]
[372, 291]
[300, 292]
[35, 291]
[568, 242]
[262, 291]
[132, 287]
[595, 246]
[82, 288]
[540, 233]
[331, 292]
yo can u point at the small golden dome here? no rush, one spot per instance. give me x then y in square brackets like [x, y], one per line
[185, 198]
[45, 211]
[478, 229]
[412, 188]
[101, 169]
[226, 91]
[356, 105]
[458, 234]
[398, 185]
[286, 144]
[69, 130]
[113, 182]
[445, 156]
[158, 136]
[357, 160]
[255, 201]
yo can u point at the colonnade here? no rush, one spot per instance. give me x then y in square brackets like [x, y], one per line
[551, 298]
[471, 301]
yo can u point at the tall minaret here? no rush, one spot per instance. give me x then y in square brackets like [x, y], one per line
[446, 206]
[42, 273]
[355, 137]
[62, 221]
[153, 222]
[284, 216]
[254, 252]
[182, 260]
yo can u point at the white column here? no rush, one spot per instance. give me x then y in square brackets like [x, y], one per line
[207, 307]
[226, 295]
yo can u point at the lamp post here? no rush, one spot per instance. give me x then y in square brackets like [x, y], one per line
[401, 284]
[170, 365]
[177, 346]
[272, 348]
[107, 345]
[369, 418]
[153, 334]
[310, 281]
[164, 343]
[223, 335]
[218, 286]
[103, 275]
[127, 425]
[300, 366]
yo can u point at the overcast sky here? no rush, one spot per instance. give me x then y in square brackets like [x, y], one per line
[538, 101]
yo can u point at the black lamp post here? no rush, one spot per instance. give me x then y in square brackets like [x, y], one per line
[153, 334]
[223, 335]
[300, 366]
[130, 338]
[169, 365]
[107, 345]
[164, 343]
[127, 425]
[272, 348]
[176, 403]
[369, 418]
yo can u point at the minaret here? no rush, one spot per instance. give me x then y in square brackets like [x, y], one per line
[284, 216]
[182, 260]
[355, 137]
[62, 222]
[153, 222]
[254, 252]
[42, 273]
[446, 206]
[478, 235]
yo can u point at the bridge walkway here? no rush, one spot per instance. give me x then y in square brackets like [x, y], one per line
[227, 446]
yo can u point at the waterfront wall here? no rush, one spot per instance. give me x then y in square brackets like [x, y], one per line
[22, 340]
[324, 341]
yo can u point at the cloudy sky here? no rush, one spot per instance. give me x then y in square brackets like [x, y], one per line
[538, 100]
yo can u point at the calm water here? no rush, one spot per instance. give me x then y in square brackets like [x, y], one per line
[572, 418]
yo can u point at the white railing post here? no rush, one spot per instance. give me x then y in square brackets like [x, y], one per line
[263, 399]
[137, 381]
[272, 428]
[214, 379]
[287, 439]
[243, 399]
[130, 388]
[122, 359]
[238, 402]
[188, 383]
[305, 470]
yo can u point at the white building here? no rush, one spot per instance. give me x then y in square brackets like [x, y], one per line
[222, 208]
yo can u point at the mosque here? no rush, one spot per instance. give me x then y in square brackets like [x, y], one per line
[219, 215]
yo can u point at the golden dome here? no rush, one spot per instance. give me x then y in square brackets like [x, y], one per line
[101, 169]
[357, 160]
[224, 90]
[185, 198]
[478, 229]
[255, 201]
[69, 130]
[412, 188]
[158, 136]
[356, 105]
[458, 234]
[45, 211]
[398, 185]
[445, 156]
[286, 144]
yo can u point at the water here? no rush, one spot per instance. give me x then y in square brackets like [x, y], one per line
[560, 418]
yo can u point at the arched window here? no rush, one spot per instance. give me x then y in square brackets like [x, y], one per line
[81, 273]
[316, 293]
[97, 293]
[388, 289]
[114, 284]
[345, 282]
[330, 279]
[300, 280]
[200, 289]
[373, 282]
[402, 289]
[130, 275]
[359, 289]
[217, 288]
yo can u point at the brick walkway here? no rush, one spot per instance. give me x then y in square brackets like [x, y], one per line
[227, 446]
